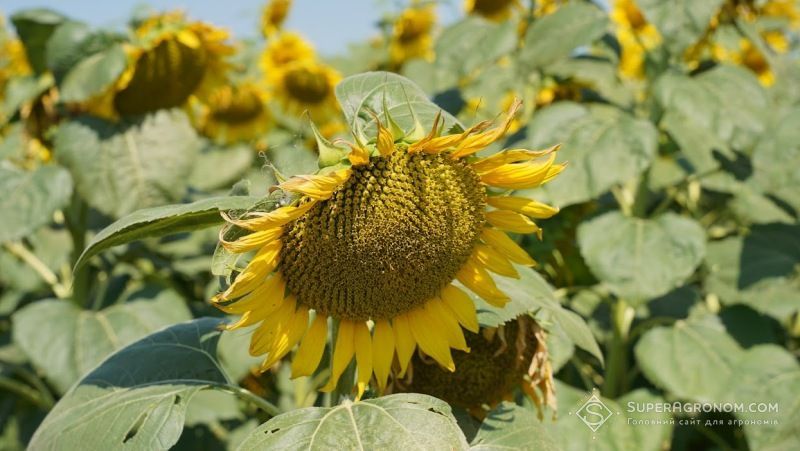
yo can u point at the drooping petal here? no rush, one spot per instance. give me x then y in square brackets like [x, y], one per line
[436, 310]
[511, 221]
[254, 299]
[262, 264]
[270, 301]
[527, 207]
[385, 139]
[252, 241]
[433, 341]
[529, 174]
[474, 277]
[319, 187]
[363, 344]
[501, 242]
[404, 340]
[308, 355]
[272, 219]
[462, 307]
[510, 156]
[342, 354]
[495, 261]
[382, 352]
[481, 140]
[264, 335]
[358, 155]
[287, 337]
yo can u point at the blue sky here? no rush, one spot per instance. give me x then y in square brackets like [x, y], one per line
[330, 24]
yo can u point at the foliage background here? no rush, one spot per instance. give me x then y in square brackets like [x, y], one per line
[678, 241]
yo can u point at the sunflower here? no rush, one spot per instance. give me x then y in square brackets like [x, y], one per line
[13, 61]
[285, 48]
[169, 61]
[495, 10]
[411, 34]
[635, 35]
[376, 245]
[273, 16]
[306, 85]
[235, 113]
[500, 360]
[747, 55]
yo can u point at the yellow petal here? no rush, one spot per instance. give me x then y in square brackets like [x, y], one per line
[443, 317]
[474, 277]
[268, 302]
[382, 352]
[254, 274]
[522, 175]
[252, 241]
[404, 340]
[287, 337]
[254, 299]
[461, 306]
[480, 141]
[510, 156]
[270, 220]
[358, 155]
[319, 187]
[502, 243]
[511, 222]
[342, 354]
[385, 139]
[363, 344]
[308, 355]
[528, 207]
[433, 341]
[495, 261]
[264, 335]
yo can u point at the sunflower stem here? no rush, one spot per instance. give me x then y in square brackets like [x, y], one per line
[247, 395]
[616, 382]
[76, 217]
[24, 254]
[26, 392]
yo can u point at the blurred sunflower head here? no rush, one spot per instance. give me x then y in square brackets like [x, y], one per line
[747, 55]
[13, 61]
[273, 16]
[545, 7]
[412, 34]
[376, 245]
[500, 360]
[495, 10]
[285, 48]
[635, 35]
[306, 85]
[170, 60]
[235, 113]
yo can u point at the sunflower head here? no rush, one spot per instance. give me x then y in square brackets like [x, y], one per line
[495, 10]
[273, 16]
[374, 244]
[13, 61]
[545, 7]
[635, 35]
[412, 34]
[500, 360]
[170, 60]
[235, 113]
[306, 85]
[749, 56]
[283, 49]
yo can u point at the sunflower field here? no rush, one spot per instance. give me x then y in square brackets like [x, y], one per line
[535, 225]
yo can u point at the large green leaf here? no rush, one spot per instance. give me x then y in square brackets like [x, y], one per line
[639, 259]
[30, 198]
[119, 168]
[555, 36]
[531, 293]
[473, 43]
[777, 157]
[74, 341]
[394, 422]
[93, 75]
[221, 167]
[373, 92]
[137, 399]
[73, 41]
[602, 145]
[165, 220]
[681, 22]
[34, 27]
[510, 427]
[690, 358]
[22, 90]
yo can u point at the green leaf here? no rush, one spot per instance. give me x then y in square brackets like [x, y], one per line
[531, 293]
[220, 167]
[473, 43]
[165, 220]
[93, 75]
[394, 422]
[639, 259]
[30, 198]
[75, 341]
[34, 27]
[602, 145]
[360, 95]
[22, 90]
[137, 399]
[73, 41]
[509, 427]
[139, 163]
[688, 359]
[555, 36]
[776, 158]
[680, 22]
